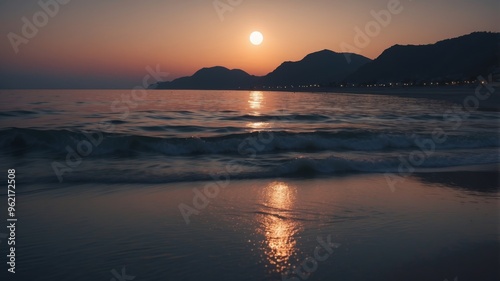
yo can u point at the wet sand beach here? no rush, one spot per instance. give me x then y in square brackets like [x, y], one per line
[433, 226]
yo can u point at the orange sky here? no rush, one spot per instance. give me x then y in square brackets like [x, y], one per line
[109, 43]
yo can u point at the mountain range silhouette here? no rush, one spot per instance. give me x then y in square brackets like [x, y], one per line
[459, 58]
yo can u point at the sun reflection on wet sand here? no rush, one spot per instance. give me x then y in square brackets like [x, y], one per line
[278, 228]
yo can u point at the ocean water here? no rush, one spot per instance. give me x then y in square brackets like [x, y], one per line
[173, 136]
[403, 187]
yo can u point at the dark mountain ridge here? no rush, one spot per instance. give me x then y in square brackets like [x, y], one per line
[458, 58]
[321, 67]
[316, 68]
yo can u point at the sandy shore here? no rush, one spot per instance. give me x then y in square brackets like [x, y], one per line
[434, 226]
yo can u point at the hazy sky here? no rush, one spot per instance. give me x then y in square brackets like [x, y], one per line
[109, 43]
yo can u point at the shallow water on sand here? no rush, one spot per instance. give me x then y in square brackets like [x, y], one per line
[258, 229]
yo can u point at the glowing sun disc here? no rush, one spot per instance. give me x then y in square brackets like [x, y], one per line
[256, 38]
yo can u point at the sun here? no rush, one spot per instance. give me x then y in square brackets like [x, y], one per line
[256, 38]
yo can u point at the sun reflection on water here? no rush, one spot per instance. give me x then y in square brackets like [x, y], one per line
[279, 228]
[255, 100]
[257, 126]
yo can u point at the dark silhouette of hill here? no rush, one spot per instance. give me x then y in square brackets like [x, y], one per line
[321, 67]
[458, 58]
[317, 68]
[212, 78]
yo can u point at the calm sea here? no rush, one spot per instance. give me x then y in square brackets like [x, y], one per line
[171, 136]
